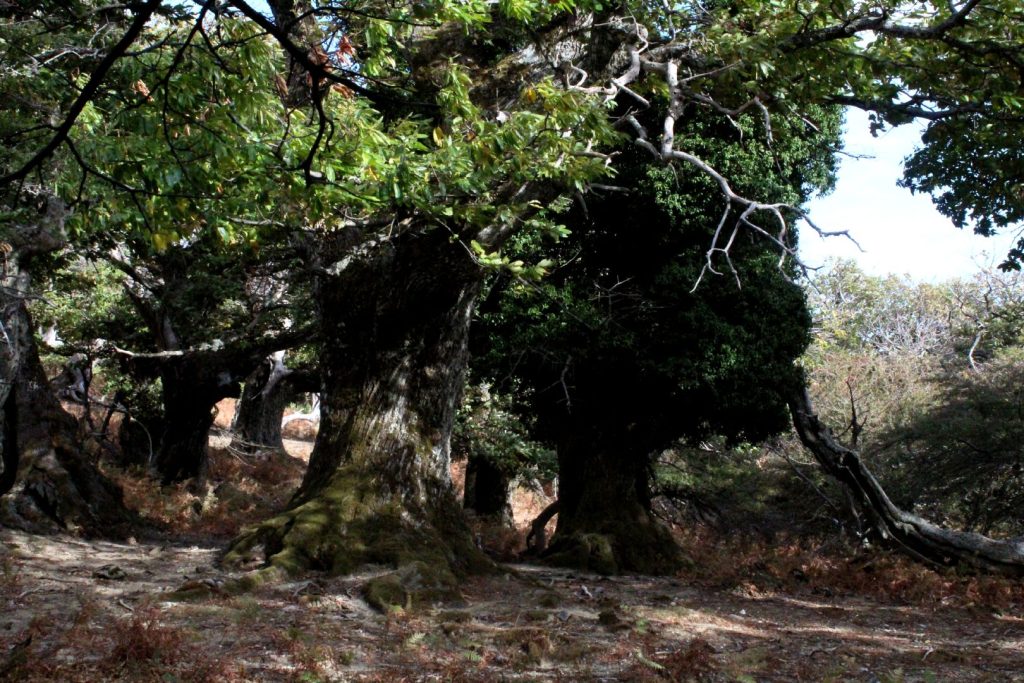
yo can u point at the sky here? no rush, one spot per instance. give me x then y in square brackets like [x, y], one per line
[901, 233]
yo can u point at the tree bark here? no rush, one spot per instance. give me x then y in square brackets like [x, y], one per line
[605, 522]
[378, 490]
[191, 389]
[905, 532]
[257, 423]
[57, 482]
[268, 390]
[48, 481]
[192, 383]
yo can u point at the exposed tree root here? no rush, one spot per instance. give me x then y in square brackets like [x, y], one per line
[350, 523]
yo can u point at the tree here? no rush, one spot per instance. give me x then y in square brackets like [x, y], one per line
[266, 394]
[47, 475]
[889, 316]
[197, 319]
[879, 342]
[905, 531]
[45, 469]
[494, 437]
[210, 327]
[896, 366]
[990, 314]
[935, 413]
[623, 357]
[960, 461]
[412, 142]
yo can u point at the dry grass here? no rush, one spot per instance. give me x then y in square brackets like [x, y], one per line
[238, 491]
[748, 609]
[787, 565]
[93, 646]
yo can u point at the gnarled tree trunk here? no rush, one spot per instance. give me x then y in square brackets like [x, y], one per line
[605, 522]
[378, 488]
[193, 381]
[191, 389]
[259, 412]
[905, 532]
[57, 483]
[47, 479]
[257, 423]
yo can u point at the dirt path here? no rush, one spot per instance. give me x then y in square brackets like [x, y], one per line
[97, 611]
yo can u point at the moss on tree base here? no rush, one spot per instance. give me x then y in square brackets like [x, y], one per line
[414, 585]
[618, 547]
[351, 523]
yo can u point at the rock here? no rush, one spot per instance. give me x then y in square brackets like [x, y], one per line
[110, 572]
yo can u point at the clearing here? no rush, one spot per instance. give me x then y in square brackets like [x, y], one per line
[92, 610]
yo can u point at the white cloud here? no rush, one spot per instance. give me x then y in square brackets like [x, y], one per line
[900, 232]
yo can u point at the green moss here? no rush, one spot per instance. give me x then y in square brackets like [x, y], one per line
[412, 586]
[549, 600]
[386, 592]
[586, 552]
[351, 523]
[618, 547]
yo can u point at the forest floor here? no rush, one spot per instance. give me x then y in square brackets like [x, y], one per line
[91, 610]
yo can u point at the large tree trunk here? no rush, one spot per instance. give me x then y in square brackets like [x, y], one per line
[604, 517]
[905, 532]
[191, 389]
[47, 481]
[259, 413]
[257, 423]
[378, 488]
[57, 484]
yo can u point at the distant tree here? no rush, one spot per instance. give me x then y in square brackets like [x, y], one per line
[194, 318]
[878, 344]
[990, 314]
[912, 401]
[884, 315]
[493, 436]
[962, 462]
[260, 409]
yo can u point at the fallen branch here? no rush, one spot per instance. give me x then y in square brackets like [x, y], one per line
[906, 532]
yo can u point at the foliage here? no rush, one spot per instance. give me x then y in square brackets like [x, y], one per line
[967, 164]
[488, 426]
[962, 461]
[192, 131]
[990, 315]
[884, 315]
[198, 142]
[194, 137]
[924, 379]
[711, 484]
[615, 341]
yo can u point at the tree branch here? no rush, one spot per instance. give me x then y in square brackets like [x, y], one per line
[87, 94]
